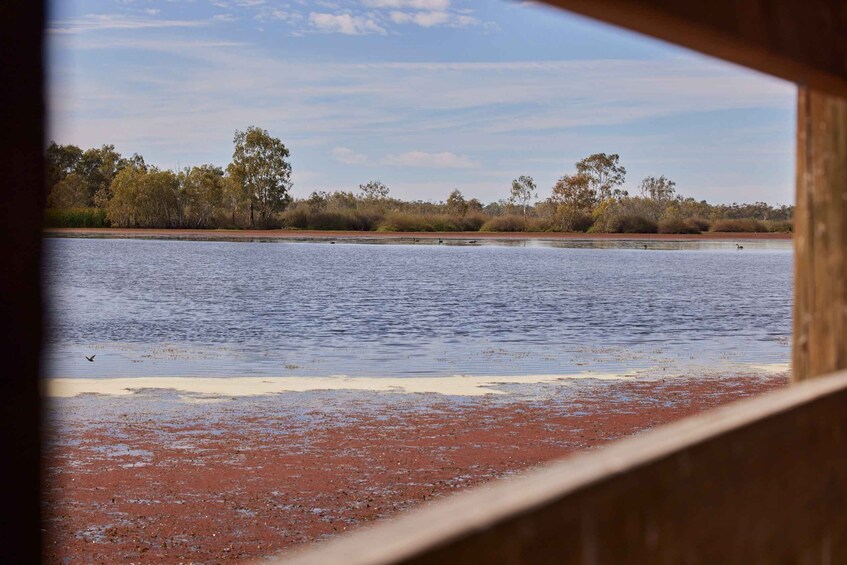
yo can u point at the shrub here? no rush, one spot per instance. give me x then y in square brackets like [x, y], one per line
[678, 226]
[634, 224]
[505, 223]
[75, 218]
[307, 218]
[780, 226]
[701, 223]
[625, 224]
[401, 221]
[746, 225]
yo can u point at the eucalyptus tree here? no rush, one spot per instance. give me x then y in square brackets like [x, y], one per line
[260, 166]
[661, 189]
[523, 192]
[604, 174]
[374, 190]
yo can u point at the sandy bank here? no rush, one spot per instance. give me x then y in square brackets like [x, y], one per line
[454, 385]
[360, 235]
[228, 387]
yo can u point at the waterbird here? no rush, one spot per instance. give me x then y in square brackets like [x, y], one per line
[91, 359]
[739, 246]
[440, 241]
[332, 243]
[472, 241]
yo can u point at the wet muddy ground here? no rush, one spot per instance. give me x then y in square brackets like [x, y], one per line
[158, 477]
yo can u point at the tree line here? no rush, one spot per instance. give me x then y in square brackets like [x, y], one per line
[99, 187]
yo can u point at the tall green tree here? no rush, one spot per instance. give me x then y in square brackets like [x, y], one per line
[523, 192]
[604, 173]
[201, 195]
[144, 199]
[576, 192]
[98, 167]
[61, 160]
[260, 166]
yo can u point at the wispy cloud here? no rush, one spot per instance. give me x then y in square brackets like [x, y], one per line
[443, 160]
[101, 22]
[345, 23]
[425, 5]
[348, 156]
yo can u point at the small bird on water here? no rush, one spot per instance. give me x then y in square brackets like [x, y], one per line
[739, 246]
[91, 359]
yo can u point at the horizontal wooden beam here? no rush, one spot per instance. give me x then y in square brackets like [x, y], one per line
[801, 41]
[760, 481]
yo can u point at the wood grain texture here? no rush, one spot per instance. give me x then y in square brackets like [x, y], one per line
[21, 214]
[804, 42]
[760, 481]
[820, 236]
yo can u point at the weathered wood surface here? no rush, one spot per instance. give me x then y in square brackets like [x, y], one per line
[760, 481]
[21, 213]
[820, 236]
[804, 42]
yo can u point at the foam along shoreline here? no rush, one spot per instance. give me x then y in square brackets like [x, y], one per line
[454, 385]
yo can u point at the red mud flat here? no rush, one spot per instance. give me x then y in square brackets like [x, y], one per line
[206, 483]
[358, 235]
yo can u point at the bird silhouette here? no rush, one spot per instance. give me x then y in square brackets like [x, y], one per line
[472, 241]
[91, 359]
[737, 246]
[440, 241]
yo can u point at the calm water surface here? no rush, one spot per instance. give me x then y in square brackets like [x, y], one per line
[180, 308]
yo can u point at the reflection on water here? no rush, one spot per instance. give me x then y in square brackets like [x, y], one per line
[160, 308]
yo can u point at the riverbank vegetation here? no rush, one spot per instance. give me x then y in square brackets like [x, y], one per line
[98, 187]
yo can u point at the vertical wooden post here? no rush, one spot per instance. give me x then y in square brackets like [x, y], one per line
[820, 236]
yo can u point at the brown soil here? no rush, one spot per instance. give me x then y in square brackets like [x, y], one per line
[245, 479]
[311, 234]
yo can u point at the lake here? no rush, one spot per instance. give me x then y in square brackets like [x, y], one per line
[313, 309]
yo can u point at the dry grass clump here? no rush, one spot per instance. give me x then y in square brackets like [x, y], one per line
[678, 226]
[740, 225]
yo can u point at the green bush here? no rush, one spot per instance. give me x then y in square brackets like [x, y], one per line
[747, 225]
[75, 218]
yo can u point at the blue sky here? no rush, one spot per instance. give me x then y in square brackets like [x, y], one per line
[424, 95]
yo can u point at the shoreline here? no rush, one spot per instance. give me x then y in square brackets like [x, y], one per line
[294, 235]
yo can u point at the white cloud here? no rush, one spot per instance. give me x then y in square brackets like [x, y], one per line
[427, 5]
[345, 23]
[99, 22]
[348, 156]
[271, 14]
[444, 160]
[431, 19]
[152, 11]
[400, 17]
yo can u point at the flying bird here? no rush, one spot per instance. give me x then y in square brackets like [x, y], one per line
[91, 359]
